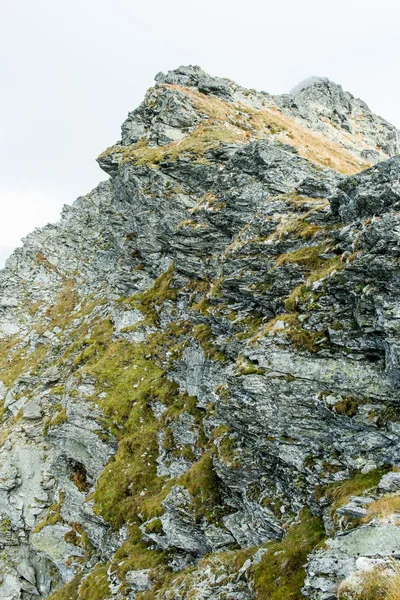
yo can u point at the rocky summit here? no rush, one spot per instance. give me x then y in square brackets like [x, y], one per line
[200, 362]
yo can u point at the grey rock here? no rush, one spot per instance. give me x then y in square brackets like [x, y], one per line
[179, 526]
[324, 106]
[3, 391]
[51, 375]
[218, 538]
[9, 476]
[27, 572]
[327, 568]
[140, 580]
[352, 510]
[275, 350]
[390, 483]
[32, 411]
[370, 193]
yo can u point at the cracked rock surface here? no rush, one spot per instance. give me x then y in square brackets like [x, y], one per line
[200, 362]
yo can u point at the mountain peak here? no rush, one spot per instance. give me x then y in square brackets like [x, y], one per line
[194, 76]
[325, 124]
[309, 82]
[200, 362]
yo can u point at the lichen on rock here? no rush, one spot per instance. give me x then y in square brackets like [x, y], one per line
[199, 364]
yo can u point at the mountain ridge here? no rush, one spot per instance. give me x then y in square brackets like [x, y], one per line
[199, 362]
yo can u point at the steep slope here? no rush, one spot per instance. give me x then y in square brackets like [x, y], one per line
[200, 362]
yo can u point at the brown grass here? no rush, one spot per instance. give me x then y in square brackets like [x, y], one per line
[201, 139]
[314, 146]
[237, 123]
[383, 508]
[340, 492]
[377, 584]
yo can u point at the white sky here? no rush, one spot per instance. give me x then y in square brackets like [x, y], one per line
[71, 71]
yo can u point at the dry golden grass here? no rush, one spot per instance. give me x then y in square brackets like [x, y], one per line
[377, 584]
[318, 148]
[314, 146]
[236, 123]
[301, 202]
[383, 508]
[393, 587]
[204, 137]
[296, 226]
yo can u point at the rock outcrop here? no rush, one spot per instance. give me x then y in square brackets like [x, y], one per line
[200, 361]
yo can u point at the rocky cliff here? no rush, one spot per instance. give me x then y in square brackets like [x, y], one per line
[200, 361]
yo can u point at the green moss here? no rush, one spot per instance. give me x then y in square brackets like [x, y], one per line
[5, 525]
[280, 573]
[78, 537]
[228, 452]
[205, 487]
[95, 586]
[133, 382]
[60, 417]
[203, 334]
[60, 312]
[249, 326]
[304, 339]
[340, 492]
[150, 301]
[53, 514]
[135, 555]
[69, 591]
[347, 406]
[154, 526]
[247, 367]
[204, 306]
[58, 390]
[94, 344]
[308, 257]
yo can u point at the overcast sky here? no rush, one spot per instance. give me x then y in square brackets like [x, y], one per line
[71, 71]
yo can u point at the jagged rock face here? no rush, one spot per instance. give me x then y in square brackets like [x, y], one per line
[200, 361]
[325, 106]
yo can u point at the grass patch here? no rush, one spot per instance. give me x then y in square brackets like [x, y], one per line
[339, 493]
[308, 257]
[383, 508]
[247, 367]
[280, 574]
[289, 325]
[53, 514]
[64, 305]
[227, 122]
[321, 270]
[379, 583]
[298, 227]
[69, 591]
[203, 138]
[203, 334]
[314, 146]
[95, 586]
[205, 487]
